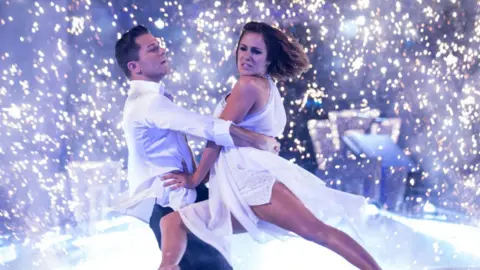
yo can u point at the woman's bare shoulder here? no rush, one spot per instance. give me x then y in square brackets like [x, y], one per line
[249, 84]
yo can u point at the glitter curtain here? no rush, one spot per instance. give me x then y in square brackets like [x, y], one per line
[61, 93]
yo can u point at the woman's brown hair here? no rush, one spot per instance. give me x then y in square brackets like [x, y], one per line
[286, 56]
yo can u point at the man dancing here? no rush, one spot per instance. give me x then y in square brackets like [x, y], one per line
[155, 129]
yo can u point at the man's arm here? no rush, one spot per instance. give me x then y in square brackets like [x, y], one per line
[247, 138]
[241, 100]
[243, 96]
[166, 115]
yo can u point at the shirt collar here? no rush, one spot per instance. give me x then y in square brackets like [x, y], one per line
[140, 86]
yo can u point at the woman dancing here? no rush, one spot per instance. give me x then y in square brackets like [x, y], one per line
[254, 191]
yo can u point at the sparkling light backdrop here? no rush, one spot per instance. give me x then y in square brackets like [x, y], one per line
[61, 92]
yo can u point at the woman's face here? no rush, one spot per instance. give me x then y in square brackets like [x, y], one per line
[252, 55]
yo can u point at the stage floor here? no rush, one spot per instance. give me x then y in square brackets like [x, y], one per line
[398, 243]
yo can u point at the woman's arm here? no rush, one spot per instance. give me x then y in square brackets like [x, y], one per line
[240, 102]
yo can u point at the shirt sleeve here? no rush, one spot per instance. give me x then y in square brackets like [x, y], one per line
[179, 198]
[165, 114]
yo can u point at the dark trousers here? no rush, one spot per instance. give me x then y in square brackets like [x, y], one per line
[199, 255]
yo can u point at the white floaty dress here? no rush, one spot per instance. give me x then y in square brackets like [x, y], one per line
[245, 176]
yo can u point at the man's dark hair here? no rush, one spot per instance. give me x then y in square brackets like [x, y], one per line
[126, 49]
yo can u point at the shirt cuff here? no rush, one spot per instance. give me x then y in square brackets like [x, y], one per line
[177, 199]
[221, 132]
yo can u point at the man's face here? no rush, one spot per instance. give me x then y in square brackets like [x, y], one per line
[153, 62]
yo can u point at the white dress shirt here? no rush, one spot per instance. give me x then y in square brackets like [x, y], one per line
[155, 129]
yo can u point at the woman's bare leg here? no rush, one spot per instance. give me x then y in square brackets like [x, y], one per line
[174, 239]
[285, 211]
[288, 212]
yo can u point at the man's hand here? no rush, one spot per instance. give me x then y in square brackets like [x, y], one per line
[271, 144]
[247, 138]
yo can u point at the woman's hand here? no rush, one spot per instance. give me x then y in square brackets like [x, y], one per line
[178, 179]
